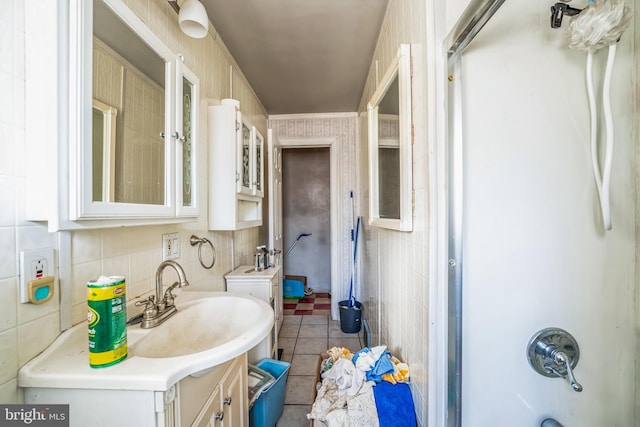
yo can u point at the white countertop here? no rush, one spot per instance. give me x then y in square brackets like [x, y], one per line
[248, 272]
[65, 363]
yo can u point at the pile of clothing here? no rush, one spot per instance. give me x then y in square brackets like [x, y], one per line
[368, 388]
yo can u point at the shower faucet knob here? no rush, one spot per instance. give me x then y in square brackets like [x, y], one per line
[553, 352]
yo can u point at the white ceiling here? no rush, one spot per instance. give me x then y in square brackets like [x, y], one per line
[301, 56]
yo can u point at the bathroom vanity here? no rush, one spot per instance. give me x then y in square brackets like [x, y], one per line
[266, 286]
[217, 398]
[190, 370]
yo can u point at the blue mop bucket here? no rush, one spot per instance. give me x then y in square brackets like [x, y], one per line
[350, 316]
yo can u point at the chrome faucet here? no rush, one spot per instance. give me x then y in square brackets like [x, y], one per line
[160, 307]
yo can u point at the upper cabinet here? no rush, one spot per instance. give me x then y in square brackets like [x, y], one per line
[236, 176]
[126, 126]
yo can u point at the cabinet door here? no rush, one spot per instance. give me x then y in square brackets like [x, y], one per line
[233, 390]
[258, 163]
[187, 99]
[245, 157]
[211, 412]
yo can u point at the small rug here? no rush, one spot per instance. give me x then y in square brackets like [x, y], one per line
[316, 303]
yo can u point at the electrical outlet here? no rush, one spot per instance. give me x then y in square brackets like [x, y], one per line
[34, 264]
[170, 246]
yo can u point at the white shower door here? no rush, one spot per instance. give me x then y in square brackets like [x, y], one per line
[534, 252]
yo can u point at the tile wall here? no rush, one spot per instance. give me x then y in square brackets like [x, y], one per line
[26, 330]
[395, 265]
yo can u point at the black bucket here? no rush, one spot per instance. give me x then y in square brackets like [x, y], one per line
[350, 317]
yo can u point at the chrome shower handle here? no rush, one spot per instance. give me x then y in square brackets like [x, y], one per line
[563, 360]
[553, 352]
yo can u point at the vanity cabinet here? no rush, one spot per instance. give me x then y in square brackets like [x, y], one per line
[236, 181]
[226, 400]
[216, 398]
[266, 286]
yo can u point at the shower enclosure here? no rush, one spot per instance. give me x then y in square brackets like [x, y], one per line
[526, 249]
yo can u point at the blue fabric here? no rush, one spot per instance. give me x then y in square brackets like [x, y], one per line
[382, 366]
[394, 404]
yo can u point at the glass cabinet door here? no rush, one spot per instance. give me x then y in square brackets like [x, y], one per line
[245, 158]
[258, 175]
[187, 97]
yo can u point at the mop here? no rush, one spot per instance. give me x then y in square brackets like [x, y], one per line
[307, 291]
[601, 23]
[354, 239]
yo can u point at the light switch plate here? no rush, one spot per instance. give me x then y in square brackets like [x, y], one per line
[170, 246]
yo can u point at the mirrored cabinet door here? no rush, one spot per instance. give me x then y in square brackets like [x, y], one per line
[258, 169]
[125, 159]
[187, 96]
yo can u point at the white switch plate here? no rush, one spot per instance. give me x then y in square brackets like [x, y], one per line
[170, 246]
[34, 264]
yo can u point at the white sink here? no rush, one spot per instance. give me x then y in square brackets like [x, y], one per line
[199, 326]
[210, 328]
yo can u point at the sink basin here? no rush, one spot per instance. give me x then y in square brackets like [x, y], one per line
[209, 329]
[199, 326]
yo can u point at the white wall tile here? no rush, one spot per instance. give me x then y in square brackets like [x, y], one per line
[8, 254]
[35, 336]
[8, 307]
[8, 355]
[10, 393]
[7, 32]
[8, 197]
[85, 246]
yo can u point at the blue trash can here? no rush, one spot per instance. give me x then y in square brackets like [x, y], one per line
[268, 408]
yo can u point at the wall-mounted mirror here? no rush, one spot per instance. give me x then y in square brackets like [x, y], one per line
[127, 68]
[390, 147]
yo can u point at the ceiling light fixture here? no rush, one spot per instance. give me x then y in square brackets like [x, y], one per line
[192, 18]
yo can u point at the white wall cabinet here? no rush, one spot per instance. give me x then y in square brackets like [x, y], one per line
[80, 176]
[236, 182]
[266, 286]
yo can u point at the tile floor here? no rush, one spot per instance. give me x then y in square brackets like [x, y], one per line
[303, 338]
[316, 303]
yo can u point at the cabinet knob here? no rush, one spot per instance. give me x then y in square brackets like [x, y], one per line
[227, 401]
[219, 416]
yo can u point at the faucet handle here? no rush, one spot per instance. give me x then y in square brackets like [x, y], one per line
[148, 302]
[150, 308]
[169, 297]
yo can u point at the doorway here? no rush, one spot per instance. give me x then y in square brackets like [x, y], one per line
[331, 146]
[307, 210]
